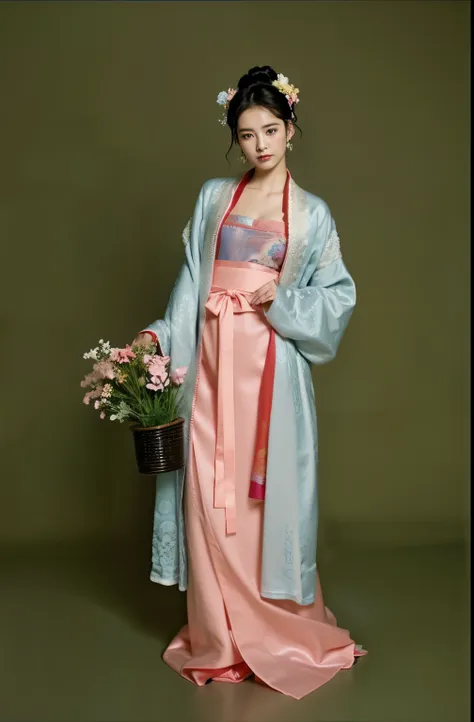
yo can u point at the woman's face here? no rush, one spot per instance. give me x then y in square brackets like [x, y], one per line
[260, 133]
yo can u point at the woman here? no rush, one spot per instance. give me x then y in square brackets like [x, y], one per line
[263, 293]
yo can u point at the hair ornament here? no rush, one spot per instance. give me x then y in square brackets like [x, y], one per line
[288, 90]
[224, 98]
[281, 83]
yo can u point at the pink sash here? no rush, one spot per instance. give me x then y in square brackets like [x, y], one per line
[258, 476]
[225, 300]
[225, 461]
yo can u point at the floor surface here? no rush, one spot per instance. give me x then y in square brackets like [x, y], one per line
[82, 633]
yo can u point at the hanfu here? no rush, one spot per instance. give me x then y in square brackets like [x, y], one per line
[237, 527]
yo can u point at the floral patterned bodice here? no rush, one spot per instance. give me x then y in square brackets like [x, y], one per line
[253, 240]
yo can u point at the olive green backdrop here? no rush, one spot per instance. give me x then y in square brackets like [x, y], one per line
[108, 129]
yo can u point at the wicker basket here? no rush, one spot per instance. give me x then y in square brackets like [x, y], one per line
[159, 448]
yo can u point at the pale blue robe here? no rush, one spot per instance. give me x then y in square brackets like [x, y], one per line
[314, 302]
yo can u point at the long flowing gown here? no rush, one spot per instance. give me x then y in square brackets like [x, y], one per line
[232, 631]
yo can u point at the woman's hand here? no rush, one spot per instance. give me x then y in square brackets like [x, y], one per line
[146, 339]
[265, 295]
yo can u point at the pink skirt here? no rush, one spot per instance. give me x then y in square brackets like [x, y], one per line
[232, 631]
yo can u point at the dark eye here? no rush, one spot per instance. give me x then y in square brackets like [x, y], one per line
[272, 129]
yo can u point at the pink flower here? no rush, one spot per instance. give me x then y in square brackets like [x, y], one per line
[93, 394]
[106, 369]
[122, 355]
[101, 370]
[158, 367]
[107, 391]
[158, 383]
[88, 380]
[102, 414]
[152, 358]
[177, 376]
[158, 386]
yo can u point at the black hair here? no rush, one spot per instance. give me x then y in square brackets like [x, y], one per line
[255, 89]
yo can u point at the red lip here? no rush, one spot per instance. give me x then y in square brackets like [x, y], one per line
[261, 157]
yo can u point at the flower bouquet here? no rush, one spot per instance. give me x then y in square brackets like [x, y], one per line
[133, 384]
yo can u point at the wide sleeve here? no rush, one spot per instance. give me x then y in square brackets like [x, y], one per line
[180, 317]
[316, 315]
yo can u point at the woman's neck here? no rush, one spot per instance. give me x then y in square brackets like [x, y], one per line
[272, 181]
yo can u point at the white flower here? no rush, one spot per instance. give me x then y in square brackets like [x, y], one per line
[113, 417]
[283, 79]
[106, 391]
[92, 354]
[222, 97]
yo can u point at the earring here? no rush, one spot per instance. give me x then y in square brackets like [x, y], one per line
[243, 158]
[289, 145]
